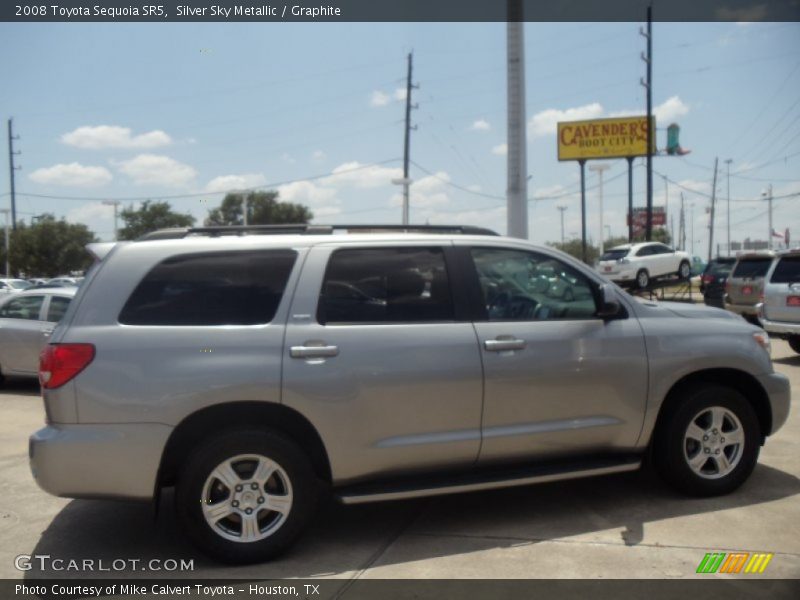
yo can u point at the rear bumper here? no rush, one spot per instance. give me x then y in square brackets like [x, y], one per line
[741, 309]
[98, 461]
[777, 328]
[778, 391]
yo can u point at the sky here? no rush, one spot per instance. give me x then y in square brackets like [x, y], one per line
[185, 112]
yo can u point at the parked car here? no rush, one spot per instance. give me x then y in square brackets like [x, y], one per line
[639, 264]
[746, 282]
[779, 309]
[246, 366]
[698, 266]
[11, 286]
[64, 281]
[712, 281]
[26, 321]
[37, 281]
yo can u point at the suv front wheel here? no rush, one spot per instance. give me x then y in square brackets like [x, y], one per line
[245, 495]
[707, 444]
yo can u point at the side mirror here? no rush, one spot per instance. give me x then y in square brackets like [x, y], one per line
[610, 306]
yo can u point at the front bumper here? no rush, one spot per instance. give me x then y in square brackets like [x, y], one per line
[98, 460]
[778, 391]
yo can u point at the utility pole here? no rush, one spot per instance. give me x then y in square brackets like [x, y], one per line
[599, 168]
[6, 211]
[682, 227]
[711, 214]
[561, 209]
[517, 191]
[13, 170]
[691, 218]
[406, 181]
[115, 204]
[728, 218]
[769, 201]
[666, 209]
[648, 85]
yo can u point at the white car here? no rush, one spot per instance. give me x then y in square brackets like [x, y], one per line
[11, 286]
[639, 264]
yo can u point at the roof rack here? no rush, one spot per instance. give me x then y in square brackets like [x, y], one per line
[305, 229]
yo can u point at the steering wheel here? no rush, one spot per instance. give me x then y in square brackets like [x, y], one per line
[506, 306]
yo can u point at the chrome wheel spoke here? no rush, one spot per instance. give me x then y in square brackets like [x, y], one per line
[695, 432]
[698, 461]
[733, 437]
[264, 471]
[250, 529]
[279, 504]
[215, 512]
[717, 418]
[722, 462]
[226, 475]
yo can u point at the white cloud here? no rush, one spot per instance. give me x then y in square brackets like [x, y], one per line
[112, 136]
[158, 170]
[480, 125]
[90, 212]
[544, 122]
[360, 176]
[378, 98]
[400, 94]
[225, 183]
[72, 174]
[667, 111]
[500, 149]
[426, 193]
[306, 192]
[318, 155]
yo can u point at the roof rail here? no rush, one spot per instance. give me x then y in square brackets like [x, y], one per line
[307, 229]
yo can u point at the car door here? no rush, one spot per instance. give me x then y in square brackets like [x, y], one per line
[21, 334]
[380, 363]
[558, 380]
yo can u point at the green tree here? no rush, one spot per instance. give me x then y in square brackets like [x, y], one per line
[574, 247]
[263, 208]
[49, 248]
[151, 216]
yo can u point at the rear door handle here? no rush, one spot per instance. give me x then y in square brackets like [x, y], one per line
[313, 351]
[504, 345]
[47, 332]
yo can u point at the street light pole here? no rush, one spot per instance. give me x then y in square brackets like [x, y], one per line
[6, 211]
[728, 218]
[561, 210]
[115, 204]
[599, 168]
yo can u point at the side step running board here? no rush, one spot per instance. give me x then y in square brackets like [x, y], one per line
[473, 482]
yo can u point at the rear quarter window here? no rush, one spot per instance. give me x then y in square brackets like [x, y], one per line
[787, 270]
[215, 288]
[752, 267]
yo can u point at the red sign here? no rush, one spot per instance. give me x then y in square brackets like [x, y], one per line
[640, 219]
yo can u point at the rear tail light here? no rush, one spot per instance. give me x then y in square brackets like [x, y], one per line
[59, 363]
[708, 279]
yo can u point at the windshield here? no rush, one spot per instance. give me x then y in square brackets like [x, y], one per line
[719, 269]
[615, 254]
[787, 270]
[749, 268]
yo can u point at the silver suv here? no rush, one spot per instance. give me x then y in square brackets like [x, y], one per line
[255, 368]
[779, 309]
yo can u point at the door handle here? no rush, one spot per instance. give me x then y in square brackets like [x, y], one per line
[47, 332]
[313, 351]
[504, 345]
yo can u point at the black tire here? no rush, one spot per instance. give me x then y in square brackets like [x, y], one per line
[685, 270]
[190, 501]
[642, 279]
[794, 343]
[671, 448]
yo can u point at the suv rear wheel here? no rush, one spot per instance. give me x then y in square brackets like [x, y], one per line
[685, 270]
[245, 495]
[708, 444]
[642, 279]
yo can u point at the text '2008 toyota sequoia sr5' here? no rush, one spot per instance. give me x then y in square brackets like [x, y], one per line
[254, 368]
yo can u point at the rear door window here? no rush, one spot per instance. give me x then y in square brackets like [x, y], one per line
[58, 306]
[214, 288]
[386, 285]
[750, 268]
[787, 270]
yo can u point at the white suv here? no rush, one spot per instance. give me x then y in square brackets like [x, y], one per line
[639, 264]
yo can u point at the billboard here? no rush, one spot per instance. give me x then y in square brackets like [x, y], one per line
[604, 138]
[640, 219]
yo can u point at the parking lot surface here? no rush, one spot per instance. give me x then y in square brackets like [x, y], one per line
[628, 526]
